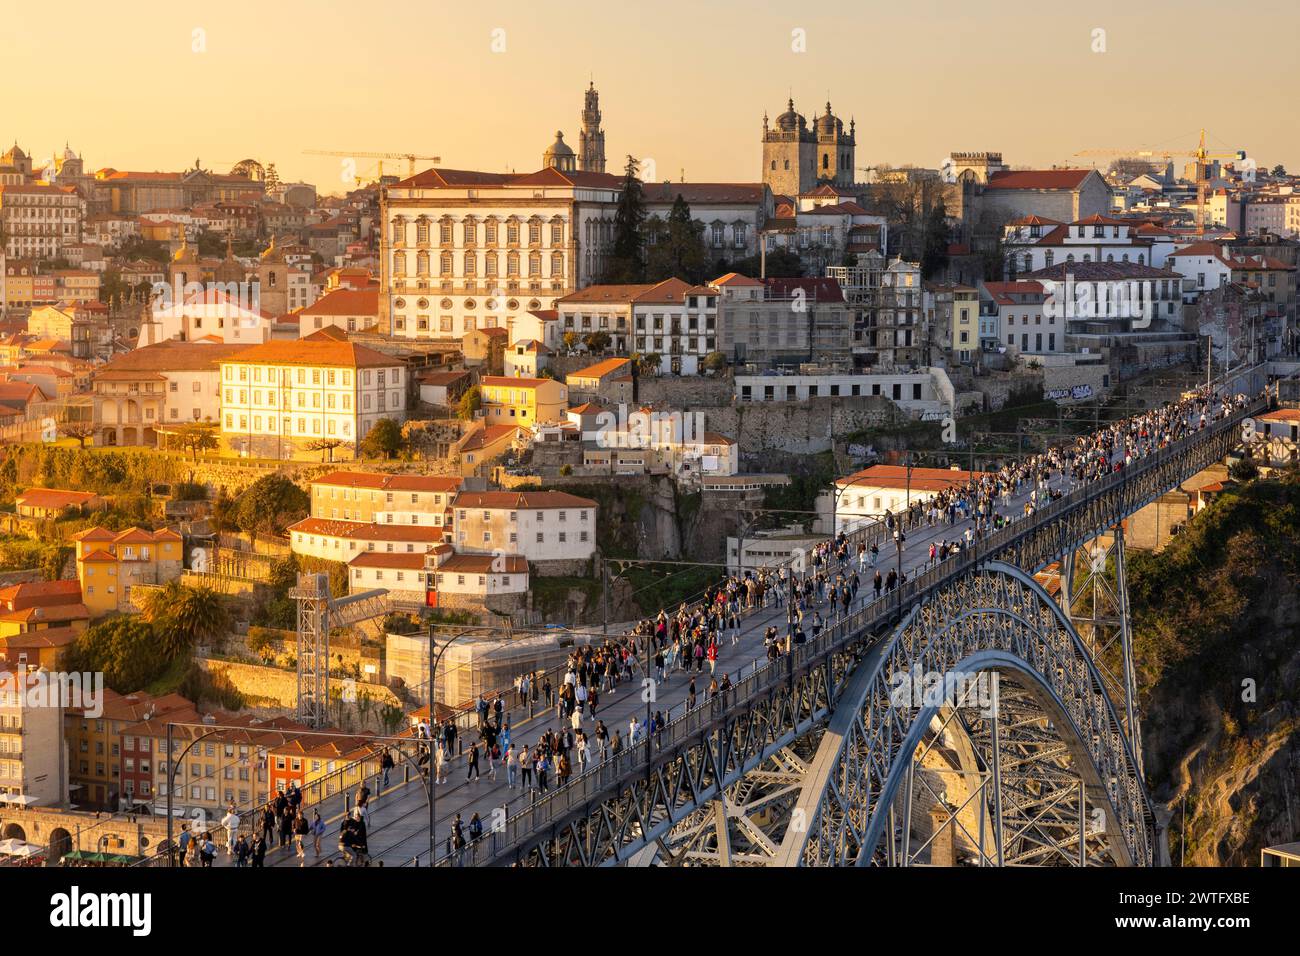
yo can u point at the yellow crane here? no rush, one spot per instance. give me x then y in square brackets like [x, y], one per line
[410, 158]
[1201, 154]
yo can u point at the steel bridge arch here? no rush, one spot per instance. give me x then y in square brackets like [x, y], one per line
[857, 774]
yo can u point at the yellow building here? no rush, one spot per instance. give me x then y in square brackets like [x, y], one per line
[110, 563]
[484, 444]
[965, 323]
[94, 743]
[522, 401]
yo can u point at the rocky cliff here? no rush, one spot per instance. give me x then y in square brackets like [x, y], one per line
[1217, 642]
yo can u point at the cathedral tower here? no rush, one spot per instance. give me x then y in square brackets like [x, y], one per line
[591, 140]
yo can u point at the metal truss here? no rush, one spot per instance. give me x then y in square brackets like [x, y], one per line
[1046, 751]
[1094, 595]
[1049, 777]
[317, 614]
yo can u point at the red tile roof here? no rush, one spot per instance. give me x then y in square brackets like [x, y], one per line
[399, 560]
[53, 498]
[520, 500]
[1039, 178]
[363, 531]
[313, 351]
[385, 482]
[484, 564]
[895, 476]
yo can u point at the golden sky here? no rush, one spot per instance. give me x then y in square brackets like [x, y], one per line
[682, 83]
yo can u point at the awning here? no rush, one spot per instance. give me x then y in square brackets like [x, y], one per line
[19, 848]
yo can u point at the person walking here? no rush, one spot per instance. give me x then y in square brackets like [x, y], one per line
[231, 822]
[301, 828]
[317, 830]
[473, 764]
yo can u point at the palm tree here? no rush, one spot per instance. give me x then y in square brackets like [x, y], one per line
[183, 616]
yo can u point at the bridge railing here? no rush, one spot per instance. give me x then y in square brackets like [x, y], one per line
[691, 724]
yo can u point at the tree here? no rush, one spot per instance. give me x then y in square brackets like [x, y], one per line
[326, 447]
[627, 263]
[113, 291]
[649, 363]
[80, 430]
[1243, 470]
[678, 250]
[183, 616]
[934, 253]
[782, 263]
[123, 649]
[384, 439]
[596, 341]
[271, 504]
[192, 437]
[714, 362]
[470, 403]
[225, 512]
[1279, 170]
[571, 340]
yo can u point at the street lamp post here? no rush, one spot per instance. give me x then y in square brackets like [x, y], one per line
[435, 657]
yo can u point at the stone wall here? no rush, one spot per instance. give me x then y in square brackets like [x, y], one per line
[1151, 528]
[131, 835]
[1067, 384]
[686, 391]
[281, 686]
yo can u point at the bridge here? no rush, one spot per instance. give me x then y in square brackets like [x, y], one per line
[816, 758]
[813, 759]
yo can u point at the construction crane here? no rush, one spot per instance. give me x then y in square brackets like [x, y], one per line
[409, 157]
[1201, 154]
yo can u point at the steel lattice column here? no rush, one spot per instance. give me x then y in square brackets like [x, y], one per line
[313, 597]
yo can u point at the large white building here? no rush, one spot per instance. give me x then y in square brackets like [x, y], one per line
[865, 496]
[1018, 321]
[227, 315]
[464, 250]
[37, 220]
[367, 496]
[171, 383]
[283, 399]
[1035, 242]
[671, 319]
[732, 214]
[542, 526]
[33, 763]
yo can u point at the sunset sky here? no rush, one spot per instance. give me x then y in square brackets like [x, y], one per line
[685, 84]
